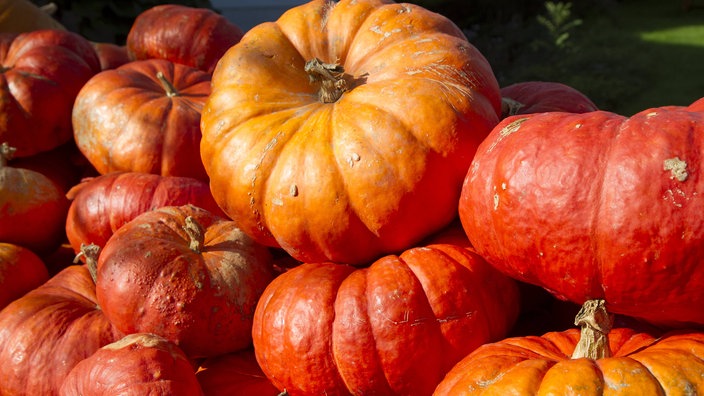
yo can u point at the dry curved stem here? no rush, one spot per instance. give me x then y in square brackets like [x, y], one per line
[6, 153]
[169, 88]
[595, 322]
[510, 107]
[91, 253]
[195, 233]
[332, 78]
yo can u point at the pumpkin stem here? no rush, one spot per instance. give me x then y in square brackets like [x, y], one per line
[510, 107]
[91, 253]
[6, 154]
[332, 79]
[596, 322]
[171, 91]
[195, 232]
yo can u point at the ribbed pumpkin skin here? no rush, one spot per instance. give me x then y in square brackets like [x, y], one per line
[395, 327]
[596, 205]
[101, 205]
[49, 330]
[640, 364]
[373, 172]
[136, 365]
[125, 120]
[42, 72]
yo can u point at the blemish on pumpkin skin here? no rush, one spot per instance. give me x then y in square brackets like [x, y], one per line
[677, 167]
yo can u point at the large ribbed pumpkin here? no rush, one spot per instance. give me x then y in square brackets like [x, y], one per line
[343, 130]
[394, 328]
[596, 205]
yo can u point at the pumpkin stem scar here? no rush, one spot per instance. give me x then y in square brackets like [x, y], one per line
[332, 79]
[595, 322]
[6, 153]
[510, 107]
[91, 253]
[195, 233]
[677, 167]
[169, 88]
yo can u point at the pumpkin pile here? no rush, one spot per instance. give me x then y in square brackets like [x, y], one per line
[341, 201]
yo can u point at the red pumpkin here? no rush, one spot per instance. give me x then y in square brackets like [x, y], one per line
[596, 205]
[196, 37]
[395, 327]
[143, 116]
[20, 271]
[64, 165]
[138, 364]
[101, 205]
[343, 130]
[541, 96]
[111, 55]
[597, 360]
[48, 331]
[234, 374]
[42, 72]
[32, 208]
[697, 105]
[184, 274]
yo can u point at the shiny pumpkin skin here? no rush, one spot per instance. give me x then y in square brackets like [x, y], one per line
[149, 280]
[42, 72]
[596, 205]
[101, 205]
[640, 364]
[20, 272]
[542, 96]
[193, 36]
[125, 120]
[138, 364]
[46, 332]
[375, 171]
[395, 327]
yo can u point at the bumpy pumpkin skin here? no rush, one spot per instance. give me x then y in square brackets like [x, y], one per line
[373, 172]
[138, 364]
[395, 327]
[640, 364]
[596, 205]
[127, 120]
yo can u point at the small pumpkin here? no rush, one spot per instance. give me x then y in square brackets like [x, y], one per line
[596, 360]
[394, 327]
[596, 206]
[528, 97]
[139, 364]
[143, 116]
[111, 55]
[20, 272]
[185, 274]
[342, 131]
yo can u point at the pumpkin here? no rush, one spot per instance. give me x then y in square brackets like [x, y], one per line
[234, 374]
[185, 274]
[143, 116]
[342, 131]
[193, 36]
[20, 271]
[528, 97]
[101, 205]
[595, 206]
[111, 55]
[596, 360]
[46, 332]
[32, 207]
[394, 327]
[18, 16]
[697, 105]
[64, 165]
[42, 72]
[138, 364]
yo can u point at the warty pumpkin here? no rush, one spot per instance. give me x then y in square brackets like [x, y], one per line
[596, 206]
[342, 131]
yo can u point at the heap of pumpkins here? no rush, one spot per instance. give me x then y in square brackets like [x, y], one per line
[343, 201]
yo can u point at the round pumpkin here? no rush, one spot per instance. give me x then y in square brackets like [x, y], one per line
[101, 205]
[18, 16]
[46, 332]
[528, 97]
[20, 272]
[32, 207]
[234, 374]
[596, 206]
[138, 364]
[143, 116]
[394, 327]
[185, 274]
[193, 36]
[595, 360]
[343, 130]
[42, 72]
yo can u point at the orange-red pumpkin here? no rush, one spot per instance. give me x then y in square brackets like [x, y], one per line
[20, 272]
[234, 374]
[540, 96]
[343, 130]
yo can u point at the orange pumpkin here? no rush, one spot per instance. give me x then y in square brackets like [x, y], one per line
[343, 130]
[20, 271]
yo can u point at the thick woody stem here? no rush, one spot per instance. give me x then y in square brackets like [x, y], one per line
[169, 88]
[6, 154]
[596, 323]
[196, 233]
[91, 253]
[332, 79]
